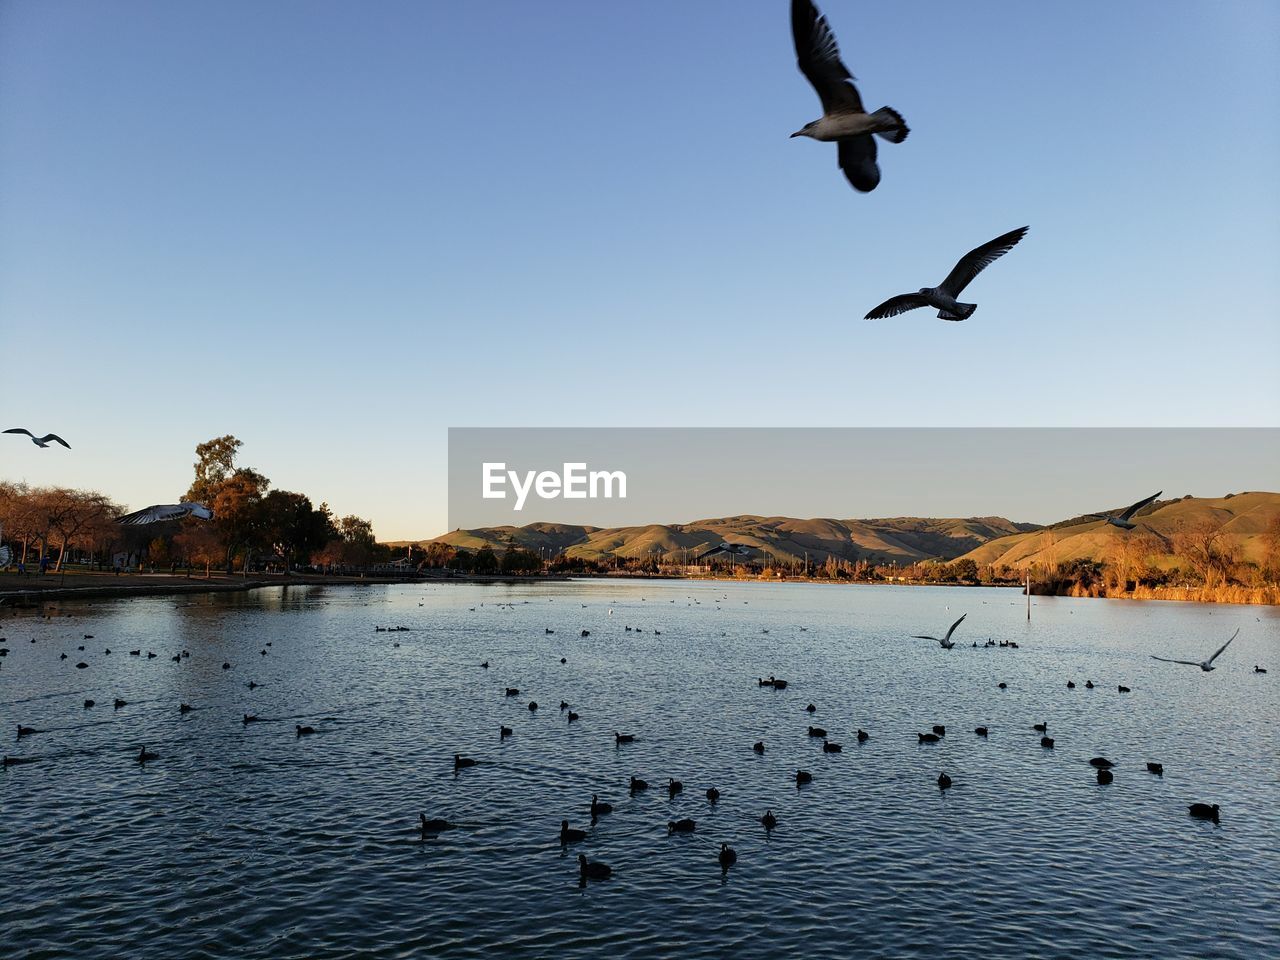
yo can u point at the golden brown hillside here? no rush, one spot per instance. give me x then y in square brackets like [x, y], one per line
[903, 540]
[1240, 519]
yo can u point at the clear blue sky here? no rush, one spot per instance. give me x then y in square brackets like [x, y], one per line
[336, 229]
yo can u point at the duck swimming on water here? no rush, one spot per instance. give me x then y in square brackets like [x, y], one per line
[1204, 811]
[593, 871]
[728, 856]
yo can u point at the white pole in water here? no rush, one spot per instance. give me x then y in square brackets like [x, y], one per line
[1028, 593]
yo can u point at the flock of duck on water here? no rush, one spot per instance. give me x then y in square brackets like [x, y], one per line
[727, 856]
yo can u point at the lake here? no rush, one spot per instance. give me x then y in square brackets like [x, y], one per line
[250, 841]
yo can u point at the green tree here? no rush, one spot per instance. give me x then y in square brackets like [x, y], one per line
[485, 561]
[237, 513]
[215, 462]
[292, 527]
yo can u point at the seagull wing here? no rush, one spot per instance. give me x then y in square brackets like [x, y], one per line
[857, 158]
[953, 626]
[1189, 663]
[920, 636]
[1224, 646]
[154, 514]
[978, 259]
[21, 430]
[53, 436]
[896, 305]
[818, 57]
[1139, 505]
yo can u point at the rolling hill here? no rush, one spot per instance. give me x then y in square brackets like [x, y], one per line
[901, 539]
[1242, 517]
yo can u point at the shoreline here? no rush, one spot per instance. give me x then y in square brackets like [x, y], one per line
[19, 592]
[25, 592]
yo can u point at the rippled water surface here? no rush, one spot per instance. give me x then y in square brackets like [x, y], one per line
[248, 840]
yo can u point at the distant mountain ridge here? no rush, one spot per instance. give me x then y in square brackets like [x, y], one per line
[1243, 519]
[901, 539]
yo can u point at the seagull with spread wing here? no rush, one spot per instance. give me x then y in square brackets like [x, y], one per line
[843, 119]
[1205, 665]
[40, 441]
[160, 512]
[945, 642]
[1124, 518]
[738, 550]
[943, 296]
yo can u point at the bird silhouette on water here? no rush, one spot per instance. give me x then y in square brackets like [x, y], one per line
[594, 870]
[728, 856]
[434, 825]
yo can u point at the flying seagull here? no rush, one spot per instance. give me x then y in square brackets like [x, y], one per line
[945, 642]
[1122, 519]
[732, 549]
[943, 296]
[1205, 665]
[843, 118]
[40, 441]
[166, 511]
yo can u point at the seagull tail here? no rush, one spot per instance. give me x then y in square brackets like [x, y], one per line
[890, 124]
[963, 312]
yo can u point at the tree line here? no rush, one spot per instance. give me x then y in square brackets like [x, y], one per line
[253, 526]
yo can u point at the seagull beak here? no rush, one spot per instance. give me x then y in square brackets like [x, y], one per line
[798, 133]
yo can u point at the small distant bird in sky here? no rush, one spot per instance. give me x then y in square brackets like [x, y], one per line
[1205, 665]
[166, 511]
[843, 119]
[40, 441]
[945, 642]
[943, 296]
[1124, 518]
